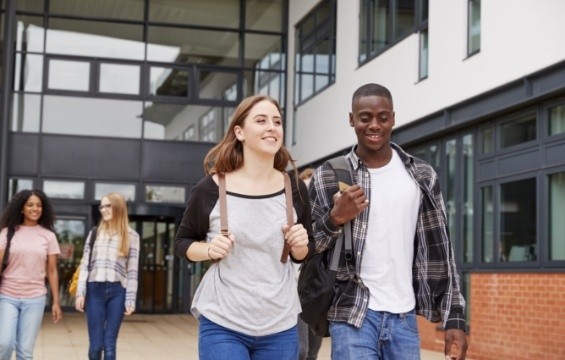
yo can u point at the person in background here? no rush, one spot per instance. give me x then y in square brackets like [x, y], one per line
[109, 282]
[403, 263]
[32, 257]
[309, 343]
[247, 302]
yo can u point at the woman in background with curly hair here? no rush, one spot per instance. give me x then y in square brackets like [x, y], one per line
[33, 250]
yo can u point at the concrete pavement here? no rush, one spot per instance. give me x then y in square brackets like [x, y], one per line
[142, 337]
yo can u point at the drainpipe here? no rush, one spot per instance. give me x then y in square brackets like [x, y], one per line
[6, 100]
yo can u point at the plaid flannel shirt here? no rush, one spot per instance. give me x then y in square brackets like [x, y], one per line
[435, 278]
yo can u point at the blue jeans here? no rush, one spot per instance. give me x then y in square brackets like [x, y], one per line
[216, 342]
[21, 321]
[105, 306]
[382, 336]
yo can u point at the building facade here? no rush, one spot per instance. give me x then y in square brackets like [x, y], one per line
[129, 95]
[479, 92]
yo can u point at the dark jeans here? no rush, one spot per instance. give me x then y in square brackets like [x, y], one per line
[105, 306]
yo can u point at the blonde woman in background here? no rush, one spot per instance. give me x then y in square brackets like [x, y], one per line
[110, 280]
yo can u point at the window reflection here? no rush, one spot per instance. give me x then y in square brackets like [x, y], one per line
[518, 131]
[223, 13]
[101, 189]
[119, 79]
[165, 194]
[16, 185]
[91, 116]
[487, 225]
[70, 235]
[556, 211]
[69, 75]
[518, 214]
[28, 72]
[64, 189]
[26, 110]
[557, 120]
[263, 15]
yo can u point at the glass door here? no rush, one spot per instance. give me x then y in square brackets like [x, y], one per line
[156, 264]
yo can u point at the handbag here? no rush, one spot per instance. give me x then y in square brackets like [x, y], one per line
[9, 236]
[224, 210]
[316, 281]
[73, 283]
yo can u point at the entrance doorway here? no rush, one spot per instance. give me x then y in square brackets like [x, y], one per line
[156, 291]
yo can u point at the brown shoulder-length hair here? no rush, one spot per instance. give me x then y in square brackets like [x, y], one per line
[227, 155]
[119, 222]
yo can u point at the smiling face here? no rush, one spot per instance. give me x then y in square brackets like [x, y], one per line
[372, 117]
[106, 209]
[32, 211]
[262, 130]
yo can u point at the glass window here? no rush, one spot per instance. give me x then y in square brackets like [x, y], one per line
[95, 39]
[108, 9]
[208, 130]
[28, 72]
[556, 211]
[119, 78]
[423, 54]
[15, 185]
[212, 83]
[169, 81]
[165, 194]
[29, 5]
[487, 139]
[449, 191]
[64, 189]
[264, 52]
[189, 134]
[102, 189]
[223, 13]
[70, 235]
[518, 218]
[487, 225]
[385, 23]
[26, 112]
[468, 194]
[474, 27]
[557, 120]
[264, 15]
[269, 83]
[69, 75]
[193, 46]
[315, 54]
[518, 131]
[30, 33]
[92, 116]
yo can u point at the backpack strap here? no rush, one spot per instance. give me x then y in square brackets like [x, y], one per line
[9, 236]
[342, 170]
[223, 205]
[289, 214]
[93, 234]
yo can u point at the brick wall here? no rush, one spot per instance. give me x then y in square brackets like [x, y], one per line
[513, 316]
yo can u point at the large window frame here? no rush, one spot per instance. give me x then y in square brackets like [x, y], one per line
[315, 51]
[380, 28]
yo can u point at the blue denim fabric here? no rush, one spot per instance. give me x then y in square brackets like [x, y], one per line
[21, 321]
[382, 336]
[216, 342]
[105, 306]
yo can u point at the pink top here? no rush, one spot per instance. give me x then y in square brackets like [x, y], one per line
[24, 277]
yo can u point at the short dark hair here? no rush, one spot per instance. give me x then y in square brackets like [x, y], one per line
[372, 89]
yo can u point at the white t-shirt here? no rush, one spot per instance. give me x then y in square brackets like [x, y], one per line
[24, 277]
[388, 254]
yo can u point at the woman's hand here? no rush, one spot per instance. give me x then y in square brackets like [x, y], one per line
[57, 313]
[129, 310]
[220, 246]
[297, 237]
[79, 304]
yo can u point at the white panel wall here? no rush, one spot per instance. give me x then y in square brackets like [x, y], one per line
[518, 38]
